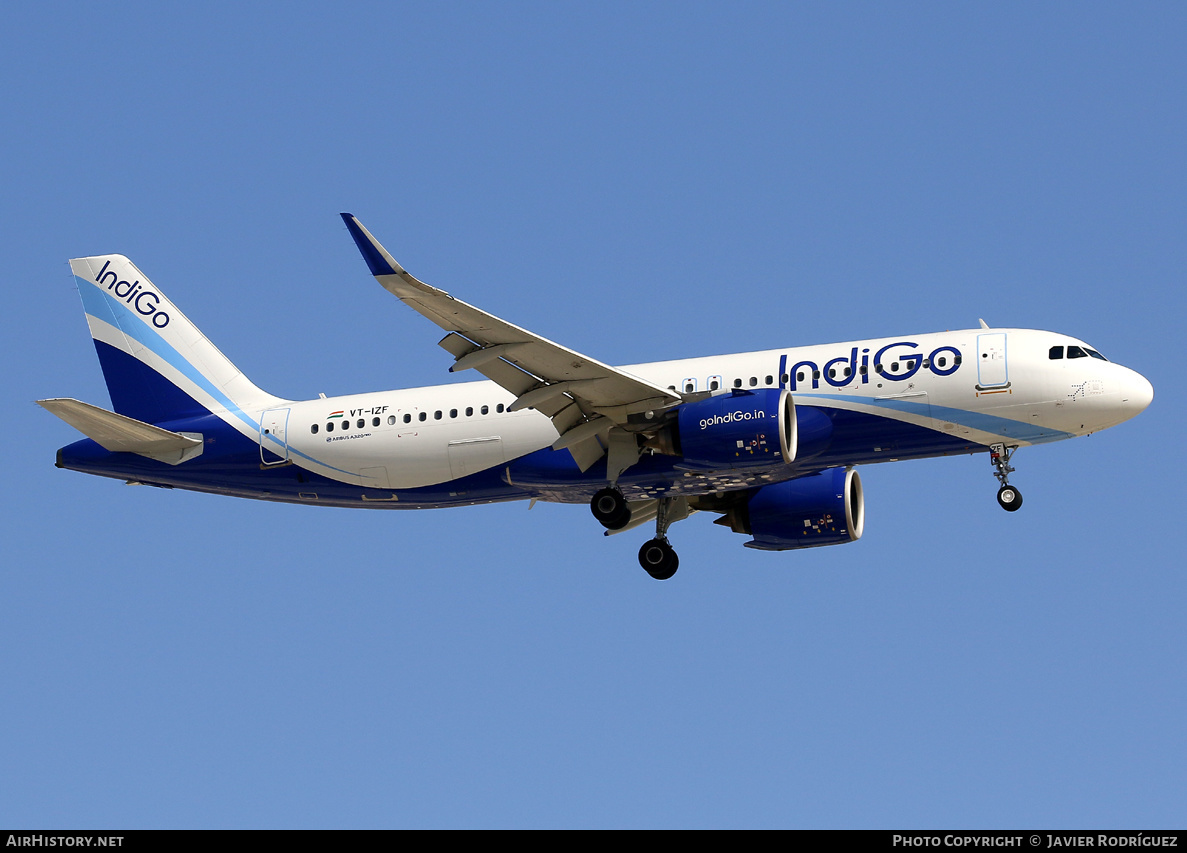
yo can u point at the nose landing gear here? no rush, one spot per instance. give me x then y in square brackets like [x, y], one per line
[1008, 497]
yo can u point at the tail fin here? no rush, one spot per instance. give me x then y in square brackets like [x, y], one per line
[157, 365]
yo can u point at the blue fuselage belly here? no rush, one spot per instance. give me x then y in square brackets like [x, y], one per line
[230, 464]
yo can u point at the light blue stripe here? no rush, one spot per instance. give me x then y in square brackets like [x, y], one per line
[992, 424]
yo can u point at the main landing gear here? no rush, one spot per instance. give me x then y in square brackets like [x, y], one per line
[610, 509]
[657, 557]
[1008, 497]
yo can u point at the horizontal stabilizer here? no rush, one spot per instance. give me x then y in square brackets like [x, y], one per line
[121, 434]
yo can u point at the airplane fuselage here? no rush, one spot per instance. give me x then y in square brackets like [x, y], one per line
[887, 399]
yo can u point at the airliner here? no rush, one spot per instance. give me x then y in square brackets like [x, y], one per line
[769, 442]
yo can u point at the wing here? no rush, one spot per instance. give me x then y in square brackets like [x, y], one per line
[585, 398]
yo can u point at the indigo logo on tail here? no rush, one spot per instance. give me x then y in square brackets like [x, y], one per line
[142, 300]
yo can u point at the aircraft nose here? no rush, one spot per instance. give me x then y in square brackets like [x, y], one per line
[1136, 393]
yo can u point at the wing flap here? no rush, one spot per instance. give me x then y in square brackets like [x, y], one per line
[587, 452]
[508, 376]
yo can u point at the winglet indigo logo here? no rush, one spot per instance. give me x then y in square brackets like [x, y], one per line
[141, 299]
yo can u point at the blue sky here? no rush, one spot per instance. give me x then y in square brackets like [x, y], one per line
[637, 181]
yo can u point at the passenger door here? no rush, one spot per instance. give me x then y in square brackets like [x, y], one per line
[991, 361]
[274, 448]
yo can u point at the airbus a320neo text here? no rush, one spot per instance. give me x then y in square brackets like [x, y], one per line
[768, 442]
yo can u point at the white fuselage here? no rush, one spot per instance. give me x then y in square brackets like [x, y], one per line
[981, 386]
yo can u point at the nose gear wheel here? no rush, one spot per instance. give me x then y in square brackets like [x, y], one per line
[1008, 497]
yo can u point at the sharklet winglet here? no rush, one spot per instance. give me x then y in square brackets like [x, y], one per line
[377, 258]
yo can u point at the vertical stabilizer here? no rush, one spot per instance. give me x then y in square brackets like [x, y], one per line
[157, 365]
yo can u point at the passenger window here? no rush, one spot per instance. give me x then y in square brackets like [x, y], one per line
[957, 360]
[453, 413]
[486, 409]
[877, 368]
[469, 411]
[770, 380]
[799, 377]
[737, 383]
[313, 429]
[894, 367]
[848, 372]
[942, 361]
[713, 385]
[1055, 353]
[362, 423]
[437, 415]
[499, 408]
[815, 374]
[374, 422]
[753, 381]
[423, 415]
[863, 370]
[832, 373]
[407, 417]
[1076, 352]
[784, 379]
[689, 387]
[345, 424]
[391, 420]
[330, 426]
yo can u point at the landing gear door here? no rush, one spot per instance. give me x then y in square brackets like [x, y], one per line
[274, 448]
[991, 361]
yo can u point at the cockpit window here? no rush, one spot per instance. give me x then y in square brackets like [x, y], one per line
[1074, 352]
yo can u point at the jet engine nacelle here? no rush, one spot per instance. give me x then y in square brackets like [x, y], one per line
[742, 429]
[821, 509]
